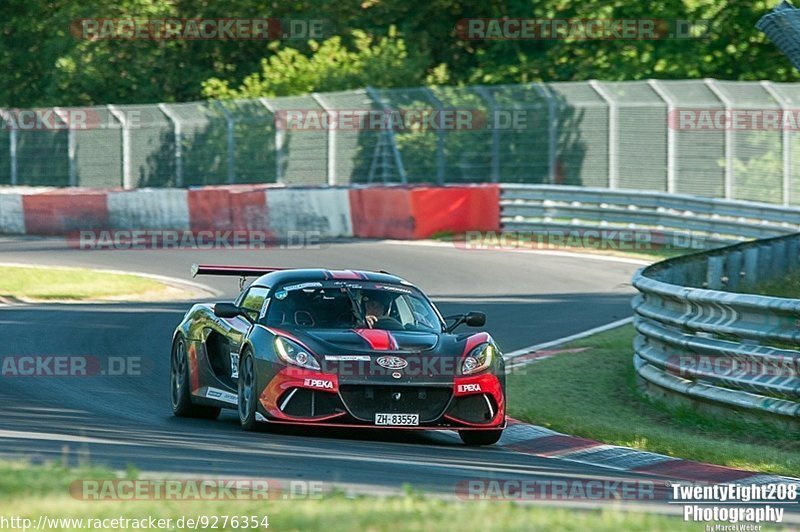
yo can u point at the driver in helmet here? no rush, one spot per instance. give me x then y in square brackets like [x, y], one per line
[376, 307]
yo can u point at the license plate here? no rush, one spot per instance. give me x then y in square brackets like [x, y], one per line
[397, 419]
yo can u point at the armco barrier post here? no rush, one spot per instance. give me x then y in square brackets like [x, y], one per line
[764, 261]
[792, 251]
[751, 256]
[716, 264]
[733, 270]
[778, 262]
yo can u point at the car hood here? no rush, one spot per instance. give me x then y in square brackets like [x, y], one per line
[356, 341]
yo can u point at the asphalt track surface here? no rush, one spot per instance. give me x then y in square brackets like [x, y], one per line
[126, 420]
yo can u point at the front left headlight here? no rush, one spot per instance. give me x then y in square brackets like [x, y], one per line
[478, 359]
[294, 353]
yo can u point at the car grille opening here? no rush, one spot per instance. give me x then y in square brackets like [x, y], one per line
[301, 402]
[479, 408]
[365, 401]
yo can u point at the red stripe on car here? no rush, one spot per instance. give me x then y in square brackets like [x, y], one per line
[378, 339]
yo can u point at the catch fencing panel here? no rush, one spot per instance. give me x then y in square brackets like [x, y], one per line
[148, 146]
[97, 157]
[787, 95]
[640, 159]
[420, 149]
[523, 128]
[699, 153]
[680, 136]
[582, 135]
[755, 154]
[354, 140]
[303, 140]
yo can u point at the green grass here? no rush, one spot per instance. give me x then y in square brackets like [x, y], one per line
[33, 283]
[593, 394]
[31, 491]
[785, 286]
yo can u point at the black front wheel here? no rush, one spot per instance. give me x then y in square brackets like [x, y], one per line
[480, 437]
[248, 392]
[179, 393]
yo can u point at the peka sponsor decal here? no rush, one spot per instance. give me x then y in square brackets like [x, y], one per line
[319, 383]
[474, 387]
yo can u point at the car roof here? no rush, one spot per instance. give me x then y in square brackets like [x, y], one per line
[319, 274]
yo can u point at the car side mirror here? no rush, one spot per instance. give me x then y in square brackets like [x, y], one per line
[475, 319]
[228, 310]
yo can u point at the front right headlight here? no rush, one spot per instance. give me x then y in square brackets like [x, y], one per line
[294, 353]
[478, 359]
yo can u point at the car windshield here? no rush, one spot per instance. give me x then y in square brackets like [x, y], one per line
[339, 305]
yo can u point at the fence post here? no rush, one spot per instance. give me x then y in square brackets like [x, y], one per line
[230, 124]
[439, 138]
[671, 138]
[331, 163]
[176, 124]
[786, 140]
[492, 121]
[12, 148]
[126, 145]
[71, 146]
[613, 120]
[398, 160]
[280, 138]
[729, 177]
[552, 129]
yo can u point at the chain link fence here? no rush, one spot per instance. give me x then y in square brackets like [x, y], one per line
[734, 140]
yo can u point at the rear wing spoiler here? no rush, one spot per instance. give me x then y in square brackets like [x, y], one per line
[236, 271]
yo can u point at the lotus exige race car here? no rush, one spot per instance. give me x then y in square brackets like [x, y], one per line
[337, 348]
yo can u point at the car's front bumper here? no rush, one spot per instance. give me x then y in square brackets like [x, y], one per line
[299, 396]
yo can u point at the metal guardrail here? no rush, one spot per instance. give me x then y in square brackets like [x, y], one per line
[676, 219]
[699, 339]
[698, 334]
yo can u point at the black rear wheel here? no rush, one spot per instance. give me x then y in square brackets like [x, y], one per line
[180, 395]
[248, 392]
[480, 437]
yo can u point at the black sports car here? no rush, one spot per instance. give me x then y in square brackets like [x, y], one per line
[337, 348]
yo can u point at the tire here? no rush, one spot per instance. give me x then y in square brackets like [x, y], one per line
[247, 392]
[480, 437]
[179, 380]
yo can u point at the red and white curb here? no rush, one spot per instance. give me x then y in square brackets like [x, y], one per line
[540, 441]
